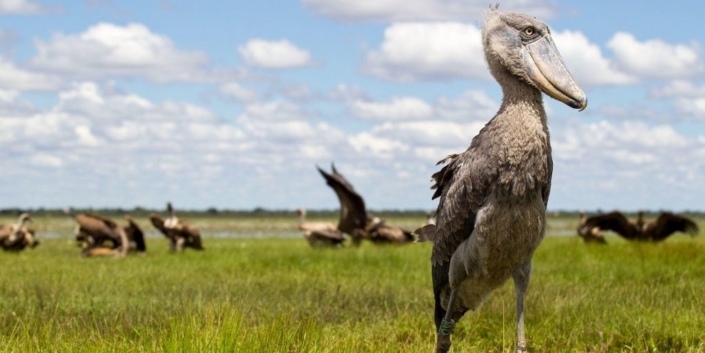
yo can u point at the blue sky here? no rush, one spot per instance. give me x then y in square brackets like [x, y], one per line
[233, 104]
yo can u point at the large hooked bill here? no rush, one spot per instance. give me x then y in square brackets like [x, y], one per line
[547, 71]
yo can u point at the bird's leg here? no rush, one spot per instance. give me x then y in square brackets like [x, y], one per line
[447, 326]
[521, 283]
[180, 244]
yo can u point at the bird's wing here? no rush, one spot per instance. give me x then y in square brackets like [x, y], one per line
[352, 207]
[614, 221]
[108, 222]
[328, 234]
[668, 223]
[5, 231]
[462, 186]
[135, 233]
[393, 234]
[158, 222]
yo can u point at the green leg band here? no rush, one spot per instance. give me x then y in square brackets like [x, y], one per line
[446, 328]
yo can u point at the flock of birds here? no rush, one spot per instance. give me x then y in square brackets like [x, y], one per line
[666, 224]
[354, 219]
[101, 236]
[491, 215]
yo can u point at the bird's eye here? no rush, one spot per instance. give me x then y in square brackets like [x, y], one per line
[529, 31]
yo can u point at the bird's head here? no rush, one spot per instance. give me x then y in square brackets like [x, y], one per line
[522, 46]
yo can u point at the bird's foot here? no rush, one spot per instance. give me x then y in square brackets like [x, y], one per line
[442, 343]
[521, 347]
[443, 340]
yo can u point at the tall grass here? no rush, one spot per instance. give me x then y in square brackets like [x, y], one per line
[279, 295]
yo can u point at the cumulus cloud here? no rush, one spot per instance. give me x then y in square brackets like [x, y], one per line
[422, 10]
[13, 77]
[238, 92]
[469, 106]
[428, 51]
[397, 109]
[586, 62]
[19, 7]
[688, 99]
[108, 50]
[280, 54]
[656, 58]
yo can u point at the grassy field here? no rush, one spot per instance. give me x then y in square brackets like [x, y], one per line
[275, 294]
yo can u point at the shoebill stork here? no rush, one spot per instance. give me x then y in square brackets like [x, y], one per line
[657, 230]
[180, 233]
[491, 216]
[320, 234]
[16, 237]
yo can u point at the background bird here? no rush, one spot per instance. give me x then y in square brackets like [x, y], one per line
[491, 216]
[591, 234]
[320, 234]
[665, 225]
[180, 233]
[17, 236]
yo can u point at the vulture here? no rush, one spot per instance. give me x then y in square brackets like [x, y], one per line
[16, 237]
[353, 216]
[179, 233]
[380, 232]
[590, 234]
[657, 230]
[354, 219]
[94, 231]
[320, 234]
[491, 215]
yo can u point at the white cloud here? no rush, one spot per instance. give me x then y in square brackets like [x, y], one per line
[399, 108]
[429, 51]
[107, 50]
[422, 10]
[586, 63]
[689, 99]
[45, 160]
[471, 105]
[12, 77]
[238, 92]
[280, 54]
[656, 58]
[19, 7]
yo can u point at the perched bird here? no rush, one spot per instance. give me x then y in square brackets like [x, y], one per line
[93, 231]
[16, 237]
[380, 232]
[180, 233]
[589, 234]
[320, 234]
[491, 216]
[657, 230]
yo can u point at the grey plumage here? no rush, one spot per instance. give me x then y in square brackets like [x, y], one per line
[491, 216]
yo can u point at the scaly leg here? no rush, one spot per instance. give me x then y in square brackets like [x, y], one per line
[447, 326]
[521, 283]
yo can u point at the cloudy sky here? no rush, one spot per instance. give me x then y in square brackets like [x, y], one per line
[232, 104]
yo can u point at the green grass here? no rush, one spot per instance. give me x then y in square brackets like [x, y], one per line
[279, 295]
